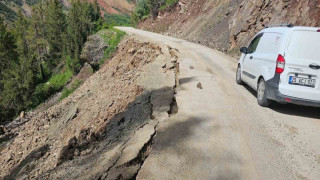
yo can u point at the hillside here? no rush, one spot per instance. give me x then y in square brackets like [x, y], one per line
[10, 8]
[228, 25]
[102, 131]
[117, 6]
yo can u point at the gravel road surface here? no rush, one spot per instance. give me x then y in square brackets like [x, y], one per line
[220, 131]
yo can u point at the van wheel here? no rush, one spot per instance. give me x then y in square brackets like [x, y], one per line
[262, 94]
[238, 76]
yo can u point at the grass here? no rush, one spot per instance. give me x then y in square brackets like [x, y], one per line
[54, 85]
[112, 37]
[67, 91]
[57, 82]
[117, 20]
[168, 4]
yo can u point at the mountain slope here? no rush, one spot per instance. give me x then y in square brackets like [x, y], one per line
[10, 8]
[228, 25]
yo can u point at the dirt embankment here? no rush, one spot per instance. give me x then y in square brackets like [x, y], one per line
[105, 129]
[230, 24]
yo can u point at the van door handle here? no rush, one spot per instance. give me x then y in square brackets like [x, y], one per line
[314, 66]
[251, 57]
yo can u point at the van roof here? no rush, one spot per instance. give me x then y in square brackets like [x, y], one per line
[284, 30]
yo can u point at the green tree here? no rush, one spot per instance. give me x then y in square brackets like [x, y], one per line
[8, 58]
[8, 54]
[154, 6]
[56, 30]
[82, 18]
[142, 10]
[37, 37]
[19, 79]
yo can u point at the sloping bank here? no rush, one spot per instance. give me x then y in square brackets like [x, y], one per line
[105, 129]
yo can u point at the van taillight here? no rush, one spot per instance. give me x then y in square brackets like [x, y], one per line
[281, 62]
[318, 30]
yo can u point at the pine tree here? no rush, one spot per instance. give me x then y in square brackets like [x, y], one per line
[37, 37]
[154, 6]
[56, 30]
[8, 54]
[8, 58]
[81, 23]
[19, 79]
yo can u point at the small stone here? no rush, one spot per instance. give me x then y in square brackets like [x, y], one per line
[191, 67]
[132, 51]
[22, 115]
[199, 85]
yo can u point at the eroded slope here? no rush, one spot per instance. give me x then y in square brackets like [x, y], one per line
[105, 129]
[230, 24]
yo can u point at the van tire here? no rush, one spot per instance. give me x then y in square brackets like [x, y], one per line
[238, 76]
[262, 94]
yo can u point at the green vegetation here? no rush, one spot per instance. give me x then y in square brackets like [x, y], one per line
[40, 54]
[168, 4]
[54, 84]
[32, 2]
[117, 20]
[146, 8]
[142, 10]
[112, 37]
[33, 51]
[67, 91]
[9, 14]
[18, 2]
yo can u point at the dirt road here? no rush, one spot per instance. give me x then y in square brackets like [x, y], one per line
[220, 132]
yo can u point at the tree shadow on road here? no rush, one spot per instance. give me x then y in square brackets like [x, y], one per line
[180, 140]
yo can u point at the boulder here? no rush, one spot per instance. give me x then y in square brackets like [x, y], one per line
[93, 50]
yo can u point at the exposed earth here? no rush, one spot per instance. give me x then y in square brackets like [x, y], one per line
[164, 108]
[102, 131]
[229, 24]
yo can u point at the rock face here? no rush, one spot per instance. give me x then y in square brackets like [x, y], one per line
[105, 129]
[93, 50]
[228, 25]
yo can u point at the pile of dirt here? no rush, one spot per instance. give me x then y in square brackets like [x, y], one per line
[228, 25]
[105, 129]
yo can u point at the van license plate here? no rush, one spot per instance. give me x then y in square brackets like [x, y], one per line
[302, 81]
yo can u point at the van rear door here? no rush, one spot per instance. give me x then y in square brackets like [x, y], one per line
[301, 77]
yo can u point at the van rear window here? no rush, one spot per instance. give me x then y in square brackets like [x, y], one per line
[305, 45]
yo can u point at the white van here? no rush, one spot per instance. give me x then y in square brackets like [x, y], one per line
[283, 64]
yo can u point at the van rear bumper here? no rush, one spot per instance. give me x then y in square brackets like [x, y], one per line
[287, 99]
[273, 93]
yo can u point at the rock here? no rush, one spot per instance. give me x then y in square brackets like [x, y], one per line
[199, 85]
[2, 130]
[93, 50]
[132, 51]
[22, 115]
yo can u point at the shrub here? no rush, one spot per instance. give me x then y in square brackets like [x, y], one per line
[54, 84]
[112, 37]
[142, 9]
[117, 20]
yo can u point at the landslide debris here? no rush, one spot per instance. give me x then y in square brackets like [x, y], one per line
[227, 25]
[105, 129]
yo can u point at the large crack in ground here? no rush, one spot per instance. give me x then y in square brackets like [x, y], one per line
[143, 154]
[122, 171]
[99, 132]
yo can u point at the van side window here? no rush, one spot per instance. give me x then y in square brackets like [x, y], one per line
[254, 43]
